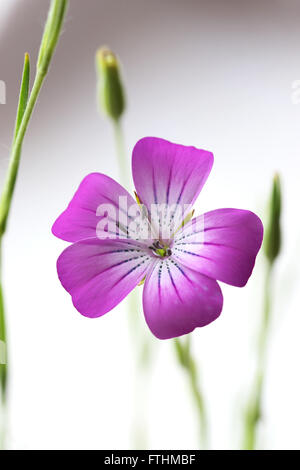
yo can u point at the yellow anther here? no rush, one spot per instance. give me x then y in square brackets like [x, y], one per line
[137, 198]
[142, 281]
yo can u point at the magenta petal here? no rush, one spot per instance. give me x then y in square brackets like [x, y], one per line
[166, 173]
[100, 273]
[176, 300]
[221, 244]
[79, 220]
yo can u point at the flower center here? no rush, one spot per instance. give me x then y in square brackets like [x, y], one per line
[158, 249]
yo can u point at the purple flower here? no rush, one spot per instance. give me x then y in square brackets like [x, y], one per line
[110, 256]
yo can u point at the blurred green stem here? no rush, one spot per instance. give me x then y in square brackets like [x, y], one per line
[25, 108]
[2, 334]
[3, 370]
[141, 342]
[253, 411]
[9, 185]
[121, 154]
[186, 360]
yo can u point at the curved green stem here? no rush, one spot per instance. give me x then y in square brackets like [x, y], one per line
[253, 410]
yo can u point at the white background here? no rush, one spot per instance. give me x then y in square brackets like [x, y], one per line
[217, 75]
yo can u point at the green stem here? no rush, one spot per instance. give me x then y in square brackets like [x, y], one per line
[266, 311]
[9, 185]
[50, 37]
[141, 343]
[186, 360]
[198, 398]
[3, 365]
[6, 199]
[253, 410]
[25, 108]
[3, 368]
[121, 154]
[188, 363]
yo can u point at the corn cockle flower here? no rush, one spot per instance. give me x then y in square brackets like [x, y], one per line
[118, 243]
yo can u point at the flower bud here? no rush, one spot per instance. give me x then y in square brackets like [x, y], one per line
[272, 240]
[110, 89]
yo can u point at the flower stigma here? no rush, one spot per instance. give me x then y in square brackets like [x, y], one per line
[158, 249]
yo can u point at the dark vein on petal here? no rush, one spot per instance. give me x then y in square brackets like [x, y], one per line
[183, 187]
[112, 252]
[112, 266]
[154, 187]
[83, 282]
[194, 254]
[173, 282]
[159, 280]
[222, 245]
[169, 185]
[129, 272]
[87, 209]
[116, 205]
[182, 272]
[207, 229]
